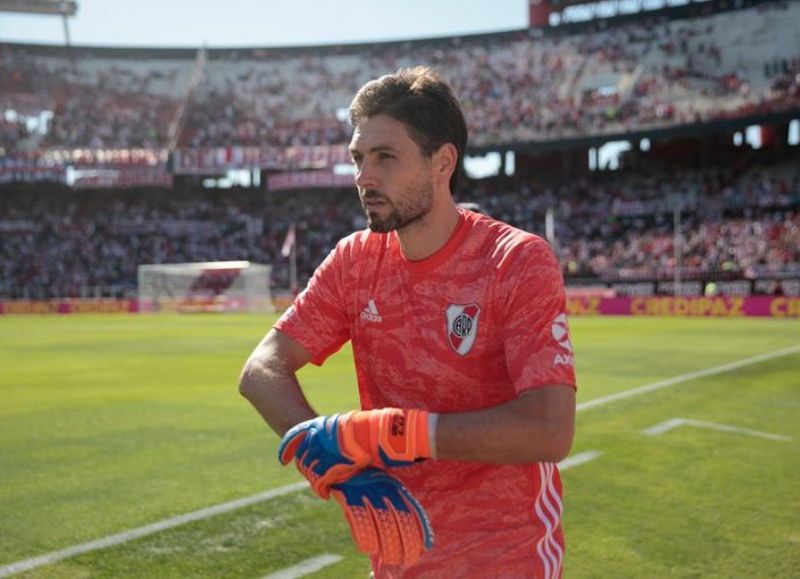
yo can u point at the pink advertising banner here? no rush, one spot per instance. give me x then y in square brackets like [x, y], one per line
[718, 306]
[68, 306]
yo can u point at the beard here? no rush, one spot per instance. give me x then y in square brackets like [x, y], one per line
[415, 203]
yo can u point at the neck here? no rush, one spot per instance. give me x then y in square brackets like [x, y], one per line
[428, 235]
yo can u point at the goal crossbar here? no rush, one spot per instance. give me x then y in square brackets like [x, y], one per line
[216, 286]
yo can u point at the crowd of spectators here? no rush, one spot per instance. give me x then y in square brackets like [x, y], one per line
[90, 243]
[515, 87]
[63, 101]
[758, 245]
[615, 224]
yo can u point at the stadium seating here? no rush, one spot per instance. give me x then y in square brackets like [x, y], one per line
[516, 86]
[96, 101]
[620, 225]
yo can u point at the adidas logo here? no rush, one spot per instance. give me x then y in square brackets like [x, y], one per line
[370, 313]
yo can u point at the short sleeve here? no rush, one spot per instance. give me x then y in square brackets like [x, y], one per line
[535, 331]
[318, 317]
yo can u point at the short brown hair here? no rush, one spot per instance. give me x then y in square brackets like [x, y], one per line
[424, 103]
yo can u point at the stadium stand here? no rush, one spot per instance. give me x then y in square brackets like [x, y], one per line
[62, 244]
[617, 227]
[135, 124]
[621, 225]
[96, 101]
[516, 87]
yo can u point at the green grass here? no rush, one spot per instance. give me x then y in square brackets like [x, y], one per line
[113, 422]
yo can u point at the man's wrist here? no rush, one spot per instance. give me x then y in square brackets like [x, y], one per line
[433, 422]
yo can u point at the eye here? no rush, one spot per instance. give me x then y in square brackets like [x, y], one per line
[383, 155]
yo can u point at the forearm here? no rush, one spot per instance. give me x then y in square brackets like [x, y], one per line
[275, 393]
[537, 427]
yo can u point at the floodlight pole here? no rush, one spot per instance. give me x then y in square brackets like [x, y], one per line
[63, 8]
[293, 269]
[67, 40]
[550, 226]
[676, 249]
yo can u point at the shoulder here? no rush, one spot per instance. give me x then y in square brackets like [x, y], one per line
[507, 246]
[358, 244]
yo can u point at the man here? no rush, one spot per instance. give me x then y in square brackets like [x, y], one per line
[458, 325]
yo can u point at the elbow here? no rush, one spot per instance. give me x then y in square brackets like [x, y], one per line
[548, 417]
[559, 443]
[247, 382]
[560, 449]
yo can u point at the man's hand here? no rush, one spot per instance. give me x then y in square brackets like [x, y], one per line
[385, 519]
[330, 449]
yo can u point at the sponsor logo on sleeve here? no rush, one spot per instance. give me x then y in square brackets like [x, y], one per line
[462, 326]
[560, 333]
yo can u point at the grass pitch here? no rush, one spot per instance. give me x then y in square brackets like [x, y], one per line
[109, 423]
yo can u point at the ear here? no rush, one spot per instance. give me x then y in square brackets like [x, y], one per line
[444, 162]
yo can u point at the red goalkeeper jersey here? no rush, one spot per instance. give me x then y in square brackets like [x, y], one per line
[470, 327]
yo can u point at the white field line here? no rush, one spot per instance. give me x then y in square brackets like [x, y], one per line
[663, 427]
[125, 536]
[687, 377]
[578, 459]
[305, 567]
[676, 422]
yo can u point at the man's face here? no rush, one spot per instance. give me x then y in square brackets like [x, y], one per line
[393, 177]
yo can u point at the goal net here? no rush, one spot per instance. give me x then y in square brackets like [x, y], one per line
[216, 286]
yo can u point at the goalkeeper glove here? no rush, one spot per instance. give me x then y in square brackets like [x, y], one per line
[331, 448]
[385, 519]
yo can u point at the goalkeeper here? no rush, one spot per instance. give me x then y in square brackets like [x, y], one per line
[462, 353]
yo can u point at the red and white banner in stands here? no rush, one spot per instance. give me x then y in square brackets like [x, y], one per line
[89, 168]
[51, 164]
[718, 306]
[208, 160]
[308, 179]
[119, 177]
[92, 157]
[32, 174]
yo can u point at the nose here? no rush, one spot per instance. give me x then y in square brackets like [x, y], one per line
[365, 176]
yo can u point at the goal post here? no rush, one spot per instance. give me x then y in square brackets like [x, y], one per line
[215, 286]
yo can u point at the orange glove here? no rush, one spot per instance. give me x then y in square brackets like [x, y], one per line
[385, 519]
[333, 448]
